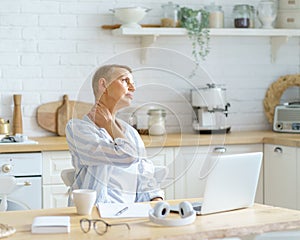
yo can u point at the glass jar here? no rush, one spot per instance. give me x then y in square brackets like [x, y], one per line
[156, 121]
[252, 16]
[216, 16]
[241, 14]
[170, 15]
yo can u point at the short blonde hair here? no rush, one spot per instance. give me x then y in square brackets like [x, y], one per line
[106, 72]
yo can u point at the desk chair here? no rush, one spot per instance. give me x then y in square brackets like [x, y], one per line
[68, 175]
[7, 185]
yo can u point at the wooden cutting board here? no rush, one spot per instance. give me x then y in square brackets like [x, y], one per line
[54, 116]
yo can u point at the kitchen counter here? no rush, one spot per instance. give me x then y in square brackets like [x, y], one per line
[243, 222]
[56, 143]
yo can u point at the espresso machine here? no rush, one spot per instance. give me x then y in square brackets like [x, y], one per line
[210, 109]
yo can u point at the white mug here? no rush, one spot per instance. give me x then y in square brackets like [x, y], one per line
[84, 200]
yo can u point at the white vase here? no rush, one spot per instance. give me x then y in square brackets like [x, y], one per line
[267, 13]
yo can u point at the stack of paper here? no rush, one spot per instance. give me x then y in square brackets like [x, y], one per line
[51, 224]
[123, 210]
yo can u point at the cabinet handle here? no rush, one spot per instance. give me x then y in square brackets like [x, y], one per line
[25, 183]
[219, 150]
[278, 150]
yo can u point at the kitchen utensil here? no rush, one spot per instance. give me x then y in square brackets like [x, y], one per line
[63, 116]
[242, 15]
[267, 12]
[170, 17]
[156, 122]
[4, 127]
[49, 115]
[17, 116]
[130, 16]
[216, 16]
[115, 26]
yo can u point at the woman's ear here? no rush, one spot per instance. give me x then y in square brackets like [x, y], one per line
[102, 85]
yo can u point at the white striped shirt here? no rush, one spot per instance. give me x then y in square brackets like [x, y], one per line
[117, 169]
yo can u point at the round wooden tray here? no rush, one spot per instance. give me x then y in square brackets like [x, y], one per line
[275, 91]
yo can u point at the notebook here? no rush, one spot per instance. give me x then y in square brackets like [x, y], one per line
[51, 224]
[231, 183]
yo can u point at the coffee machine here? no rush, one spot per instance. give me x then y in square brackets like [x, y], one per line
[210, 109]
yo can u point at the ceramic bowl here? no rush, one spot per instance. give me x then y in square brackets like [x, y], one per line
[130, 16]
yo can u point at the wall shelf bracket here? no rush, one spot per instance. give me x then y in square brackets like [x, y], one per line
[276, 43]
[146, 41]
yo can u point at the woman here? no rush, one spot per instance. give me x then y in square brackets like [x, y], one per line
[107, 153]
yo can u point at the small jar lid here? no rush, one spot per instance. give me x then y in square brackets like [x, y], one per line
[157, 111]
[213, 8]
[170, 5]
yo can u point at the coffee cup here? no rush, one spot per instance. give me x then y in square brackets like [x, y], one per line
[84, 200]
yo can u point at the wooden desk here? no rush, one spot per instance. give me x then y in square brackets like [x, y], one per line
[255, 220]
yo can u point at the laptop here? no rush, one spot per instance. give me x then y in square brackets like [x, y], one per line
[231, 183]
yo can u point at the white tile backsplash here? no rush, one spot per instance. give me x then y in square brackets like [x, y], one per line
[51, 48]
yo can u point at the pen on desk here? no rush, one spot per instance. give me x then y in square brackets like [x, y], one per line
[121, 211]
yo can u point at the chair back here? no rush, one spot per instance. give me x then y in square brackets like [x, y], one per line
[7, 185]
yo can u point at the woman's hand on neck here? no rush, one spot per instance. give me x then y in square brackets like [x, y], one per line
[105, 118]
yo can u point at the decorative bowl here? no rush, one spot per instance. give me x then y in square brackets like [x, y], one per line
[130, 16]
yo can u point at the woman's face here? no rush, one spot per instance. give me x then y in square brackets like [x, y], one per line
[121, 89]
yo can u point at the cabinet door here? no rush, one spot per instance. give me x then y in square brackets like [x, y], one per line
[164, 157]
[188, 162]
[298, 178]
[280, 172]
[55, 196]
[190, 181]
[53, 163]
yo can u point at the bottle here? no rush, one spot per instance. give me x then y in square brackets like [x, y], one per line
[216, 16]
[156, 121]
[241, 13]
[170, 15]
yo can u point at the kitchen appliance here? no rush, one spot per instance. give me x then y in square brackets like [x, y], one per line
[287, 118]
[26, 168]
[4, 127]
[210, 109]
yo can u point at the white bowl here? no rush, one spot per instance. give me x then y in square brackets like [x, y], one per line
[130, 16]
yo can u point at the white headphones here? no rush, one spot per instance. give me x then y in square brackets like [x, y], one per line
[162, 209]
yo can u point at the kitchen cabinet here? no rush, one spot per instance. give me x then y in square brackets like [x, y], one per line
[55, 193]
[281, 176]
[190, 182]
[183, 164]
[150, 35]
[164, 157]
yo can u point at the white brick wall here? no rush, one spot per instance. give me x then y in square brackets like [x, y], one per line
[50, 48]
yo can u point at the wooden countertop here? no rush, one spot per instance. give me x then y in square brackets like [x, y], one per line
[238, 223]
[56, 143]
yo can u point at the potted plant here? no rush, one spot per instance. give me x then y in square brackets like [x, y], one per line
[196, 23]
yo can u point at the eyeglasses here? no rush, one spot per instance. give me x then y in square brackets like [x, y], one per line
[99, 225]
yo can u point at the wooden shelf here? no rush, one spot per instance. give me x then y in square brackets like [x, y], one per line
[149, 35]
[213, 32]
